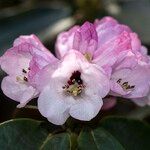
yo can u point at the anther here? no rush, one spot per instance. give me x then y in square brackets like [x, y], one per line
[119, 81]
[24, 71]
[25, 79]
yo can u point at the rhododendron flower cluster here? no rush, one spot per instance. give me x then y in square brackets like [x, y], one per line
[94, 63]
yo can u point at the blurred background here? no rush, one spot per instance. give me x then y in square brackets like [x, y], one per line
[47, 18]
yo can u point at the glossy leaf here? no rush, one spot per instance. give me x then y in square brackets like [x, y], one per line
[98, 139]
[116, 134]
[57, 142]
[27, 134]
[131, 134]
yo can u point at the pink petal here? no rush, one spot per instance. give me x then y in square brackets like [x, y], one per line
[126, 59]
[37, 63]
[35, 47]
[30, 39]
[135, 42]
[12, 59]
[144, 50]
[22, 93]
[71, 62]
[19, 57]
[64, 42]
[99, 78]
[143, 101]
[139, 77]
[85, 38]
[106, 33]
[105, 22]
[108, 53]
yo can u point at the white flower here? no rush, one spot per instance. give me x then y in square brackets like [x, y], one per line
[75, 87]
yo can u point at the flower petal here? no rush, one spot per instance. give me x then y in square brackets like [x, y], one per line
[108, 53]
[19, 92]
[30, 39]
[144, 50]
[108, 28]
[52, 105]
[64, 42]
[35, 47]
[13, 59]
[99, 78]
[135, 42]
[86, 108]
[85, 39]
[143, 101]
[137, 77]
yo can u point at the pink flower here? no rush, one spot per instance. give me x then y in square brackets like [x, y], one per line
[131, 76]
[17, 63]
[100, 43]
[64, 42]
[146, 99]
[83, 39]
[75, 87]
[113, 39]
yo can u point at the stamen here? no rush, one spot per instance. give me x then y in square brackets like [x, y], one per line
[132, 87]
[74, 84]
[125, 85]
[25, 79]
[22, 79]
[88, 56]
[119, 81]
[24, 71]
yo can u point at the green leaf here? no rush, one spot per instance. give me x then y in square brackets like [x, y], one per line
[57, 142]
[131, 134]
[116, 134]
[111, 134]
[97, 139]
[28, 134]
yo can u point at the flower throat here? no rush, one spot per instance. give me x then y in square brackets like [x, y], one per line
[74, 85]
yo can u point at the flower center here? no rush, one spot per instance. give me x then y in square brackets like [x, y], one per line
[74, 85]
[23, 78]
[88, 56]
[125, 85]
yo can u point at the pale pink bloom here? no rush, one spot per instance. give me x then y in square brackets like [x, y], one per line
[143, 100]
[100, 43]
[144, 50]
[64, 42]
[74, 88]
[17, 63]
[113, 39]
[131, 76]
[83, 39]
